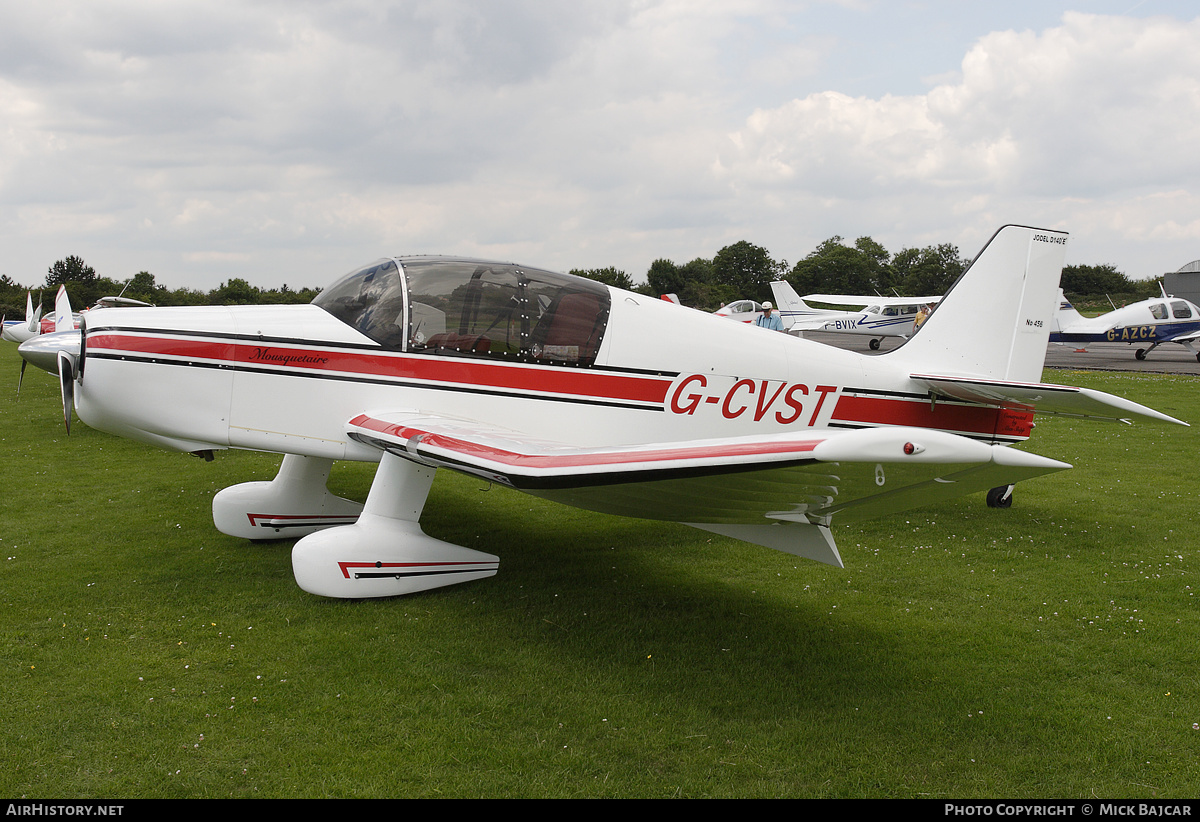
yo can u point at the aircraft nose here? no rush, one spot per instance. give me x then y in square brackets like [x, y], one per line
[42, 351]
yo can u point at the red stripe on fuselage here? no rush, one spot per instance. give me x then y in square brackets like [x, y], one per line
[420, 367]
[973, 419]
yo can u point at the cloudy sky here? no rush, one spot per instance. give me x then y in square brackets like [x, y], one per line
[288, 142]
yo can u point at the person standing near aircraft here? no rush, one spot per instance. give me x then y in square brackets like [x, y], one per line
[922, 315]
[769, 318]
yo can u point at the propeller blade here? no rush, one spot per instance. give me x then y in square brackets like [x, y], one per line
[66, 381]
[21, 378]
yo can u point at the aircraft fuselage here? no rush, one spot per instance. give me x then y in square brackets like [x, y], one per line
[288, 379]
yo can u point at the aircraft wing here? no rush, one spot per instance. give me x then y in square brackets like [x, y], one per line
[858, 299]
[777, 490]
[1185, 338]
[1043, 398]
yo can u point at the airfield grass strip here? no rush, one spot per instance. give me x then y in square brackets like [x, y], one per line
[1048, 650]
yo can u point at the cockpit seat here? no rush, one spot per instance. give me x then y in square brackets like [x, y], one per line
[465, 343]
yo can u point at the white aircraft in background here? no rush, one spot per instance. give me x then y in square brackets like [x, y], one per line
[571, 390]
[743, 311]
[19, 331]
[881, 316]
[1155, 321]
[62, 318]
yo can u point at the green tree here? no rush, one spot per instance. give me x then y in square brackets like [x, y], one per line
[12, 298]
[142, 286]
[285, 295]
[746, 270]
[70, 269]
[609, 276]
[836, 268]
[928, 271]
[694, 283]
[1094, 280]
[664, 277]
[235, 292]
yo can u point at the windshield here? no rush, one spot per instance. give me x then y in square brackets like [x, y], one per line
[371, 299]
[473, 308]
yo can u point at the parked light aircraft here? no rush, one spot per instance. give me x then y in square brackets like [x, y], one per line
[881, 316]
[577, 392]
[62, 318]
[59, 320]
[1156, 321]
[744, 311]
[19, 331]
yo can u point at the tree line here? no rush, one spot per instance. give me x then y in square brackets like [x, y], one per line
[85, 287]
[738, 271]
[745, 271]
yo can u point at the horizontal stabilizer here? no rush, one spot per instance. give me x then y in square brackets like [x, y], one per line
[1042, 398]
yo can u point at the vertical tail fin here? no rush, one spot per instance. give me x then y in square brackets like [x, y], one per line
[33, 315]
[1065, 315]
[64, 319]
[791, 306]
[995, 320]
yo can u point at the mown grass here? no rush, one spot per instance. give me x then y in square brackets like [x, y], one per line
[1045, 651]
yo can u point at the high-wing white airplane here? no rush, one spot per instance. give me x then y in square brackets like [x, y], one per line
[881, 316]
[571, 390]
[1155, 321]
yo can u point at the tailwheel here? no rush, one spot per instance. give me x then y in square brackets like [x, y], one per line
[1000, 497]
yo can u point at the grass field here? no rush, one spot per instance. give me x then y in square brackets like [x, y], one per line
[1049, 650]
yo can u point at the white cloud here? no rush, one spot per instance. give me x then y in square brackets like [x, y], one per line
[291, 141]
[1087, 117]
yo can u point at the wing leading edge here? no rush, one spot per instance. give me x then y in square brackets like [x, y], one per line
[780, 491]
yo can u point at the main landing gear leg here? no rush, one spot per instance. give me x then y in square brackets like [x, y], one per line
[293, 504]
[386, 553]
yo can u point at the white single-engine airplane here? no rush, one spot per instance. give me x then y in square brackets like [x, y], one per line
[1156, 321]
[19, 331]
[571, 390]
[881, 316]
[61, 319]
[743, 311]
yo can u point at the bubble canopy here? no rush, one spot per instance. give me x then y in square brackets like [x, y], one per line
[473, 308]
